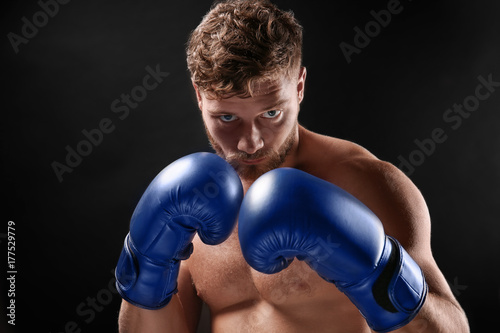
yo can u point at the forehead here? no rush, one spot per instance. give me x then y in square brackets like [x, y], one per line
[266, 96]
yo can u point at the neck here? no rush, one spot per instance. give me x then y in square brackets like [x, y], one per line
[292, 157]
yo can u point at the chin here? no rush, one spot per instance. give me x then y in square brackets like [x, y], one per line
[252, 172]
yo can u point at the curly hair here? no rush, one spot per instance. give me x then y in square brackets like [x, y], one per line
[241, 43]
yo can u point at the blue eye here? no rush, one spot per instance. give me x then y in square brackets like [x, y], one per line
[228, 118]
[271, 114]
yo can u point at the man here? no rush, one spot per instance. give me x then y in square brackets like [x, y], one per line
[245, 64]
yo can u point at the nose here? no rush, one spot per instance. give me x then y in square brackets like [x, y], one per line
[250, 140]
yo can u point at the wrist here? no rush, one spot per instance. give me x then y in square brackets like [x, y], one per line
[393, 294]
[144, 282]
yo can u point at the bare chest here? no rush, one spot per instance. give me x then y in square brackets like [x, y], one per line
[224, 280]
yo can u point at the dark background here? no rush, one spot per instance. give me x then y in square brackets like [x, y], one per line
[69, 234]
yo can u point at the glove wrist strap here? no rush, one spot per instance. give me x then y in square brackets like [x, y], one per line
[393, 294]
[142, 282]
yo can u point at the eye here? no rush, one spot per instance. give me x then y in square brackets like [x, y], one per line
[227, 118]
[271, 114]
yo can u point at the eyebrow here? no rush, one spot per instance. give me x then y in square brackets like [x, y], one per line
[279, 102]
[268, 108]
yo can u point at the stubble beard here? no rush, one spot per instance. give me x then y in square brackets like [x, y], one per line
[274, 158]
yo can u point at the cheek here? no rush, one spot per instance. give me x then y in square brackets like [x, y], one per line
[271, 134]
[225, 138]
[275, 135]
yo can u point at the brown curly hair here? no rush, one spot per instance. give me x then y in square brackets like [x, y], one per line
[241, 43]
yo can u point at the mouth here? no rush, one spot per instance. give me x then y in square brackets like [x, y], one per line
[254, 161]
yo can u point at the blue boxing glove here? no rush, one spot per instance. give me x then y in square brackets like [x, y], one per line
[197, 193]
[288, 213]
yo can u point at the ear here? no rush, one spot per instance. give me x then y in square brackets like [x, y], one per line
[301, 83]
[198, 95]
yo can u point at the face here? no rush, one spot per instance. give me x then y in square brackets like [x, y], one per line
[255, 134]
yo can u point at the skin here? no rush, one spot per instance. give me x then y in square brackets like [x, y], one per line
[253, 134]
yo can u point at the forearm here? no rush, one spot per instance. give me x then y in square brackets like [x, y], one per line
[438, 315]
[168, 319]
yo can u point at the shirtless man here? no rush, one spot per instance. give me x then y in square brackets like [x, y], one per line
[245, 64]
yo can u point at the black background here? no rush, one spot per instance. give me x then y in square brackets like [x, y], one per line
[69, 234]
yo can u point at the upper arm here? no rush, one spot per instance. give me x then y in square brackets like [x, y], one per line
[402, 210]
[190, 301]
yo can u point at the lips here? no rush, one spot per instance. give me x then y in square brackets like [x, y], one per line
[254, 161]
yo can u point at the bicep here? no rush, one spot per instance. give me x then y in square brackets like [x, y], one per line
[190, 301]
[403, 211]
[395, 200]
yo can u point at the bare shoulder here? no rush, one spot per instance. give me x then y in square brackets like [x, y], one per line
[320, 149]
[387, 191]
[381, 186]
[392, 196]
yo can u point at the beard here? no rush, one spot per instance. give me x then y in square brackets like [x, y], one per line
[274, 159]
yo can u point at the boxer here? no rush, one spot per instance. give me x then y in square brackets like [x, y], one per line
[358, 227]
